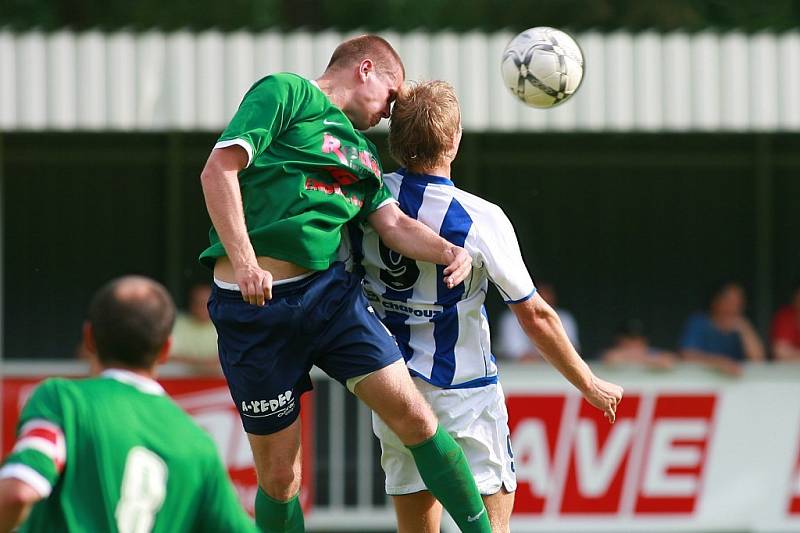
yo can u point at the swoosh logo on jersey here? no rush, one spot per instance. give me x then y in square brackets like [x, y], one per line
[473, 518]
[331, 123]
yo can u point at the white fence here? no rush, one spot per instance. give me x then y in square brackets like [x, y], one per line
[186, 81]
[691, 450]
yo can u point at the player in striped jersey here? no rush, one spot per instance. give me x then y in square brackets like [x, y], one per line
[113, 452]
[443, 333]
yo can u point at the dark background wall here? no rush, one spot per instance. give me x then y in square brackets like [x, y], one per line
[625, 225]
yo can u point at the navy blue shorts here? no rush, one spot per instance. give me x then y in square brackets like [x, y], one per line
[267, 352]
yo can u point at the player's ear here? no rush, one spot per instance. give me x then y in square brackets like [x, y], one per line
[163, 352]
[365, 68]
[88, 338]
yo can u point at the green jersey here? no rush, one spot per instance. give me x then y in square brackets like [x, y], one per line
[114, 453]
[309, 172]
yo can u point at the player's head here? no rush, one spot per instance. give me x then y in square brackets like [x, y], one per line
[129, 324]
[425, 129]
[372, 72]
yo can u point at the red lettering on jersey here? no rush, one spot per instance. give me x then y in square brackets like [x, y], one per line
[534, 423]
[598, 459]
[331, 144]
[677, 446]
[341, 176]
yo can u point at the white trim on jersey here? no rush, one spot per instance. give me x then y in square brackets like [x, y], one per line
[27, 475]
[144, 384]
[46, 438]
[238, 142]
[444, 333]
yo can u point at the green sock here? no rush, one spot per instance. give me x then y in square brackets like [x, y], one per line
[273, 516]
[444, 469]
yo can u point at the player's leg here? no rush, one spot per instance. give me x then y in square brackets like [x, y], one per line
[391, 394]
[499, 506]
[264, 362]
[278, 466]
[355, 344]
[418, 513]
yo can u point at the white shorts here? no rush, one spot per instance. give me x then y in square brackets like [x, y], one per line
[476, 418]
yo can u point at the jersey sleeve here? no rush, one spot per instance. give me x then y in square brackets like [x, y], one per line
[265, 112]
[39, 454]
[375, 201]
[221, 509]
[494, 247]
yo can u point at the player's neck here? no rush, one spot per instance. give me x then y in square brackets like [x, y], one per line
[333, 91]
[149, 373]
[442, 170]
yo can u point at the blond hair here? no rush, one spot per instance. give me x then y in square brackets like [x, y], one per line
[368, 46]
[425, 121]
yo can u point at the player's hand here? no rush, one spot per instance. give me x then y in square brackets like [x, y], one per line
[605, 396]
[459, 266]
[255, 284]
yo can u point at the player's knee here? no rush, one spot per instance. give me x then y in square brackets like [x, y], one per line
[417, 424]
[281, 482]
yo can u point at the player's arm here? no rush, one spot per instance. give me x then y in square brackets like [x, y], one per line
[37, 459]
[542, 325]
[220, 181]
[16, 500]
[265, 112]
[417, 241]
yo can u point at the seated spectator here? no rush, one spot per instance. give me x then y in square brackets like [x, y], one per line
[632, 347]
[722, 338]
[786, 330]
[514, 343]
[194, 339]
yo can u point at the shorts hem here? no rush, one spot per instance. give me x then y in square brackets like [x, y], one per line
[285, 423]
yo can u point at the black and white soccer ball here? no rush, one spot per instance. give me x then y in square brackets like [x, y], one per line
[542, 66]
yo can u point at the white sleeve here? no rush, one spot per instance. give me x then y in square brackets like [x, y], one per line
[495, 248]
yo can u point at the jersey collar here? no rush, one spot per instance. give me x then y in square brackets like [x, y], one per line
[146, 385]
[424, 178]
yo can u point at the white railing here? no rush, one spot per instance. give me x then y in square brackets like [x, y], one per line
[194, 81]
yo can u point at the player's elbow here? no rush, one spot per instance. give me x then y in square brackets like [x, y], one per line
[536, 317]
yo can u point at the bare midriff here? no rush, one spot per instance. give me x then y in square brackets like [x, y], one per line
[223, 269]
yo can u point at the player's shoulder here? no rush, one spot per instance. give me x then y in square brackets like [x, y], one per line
[479, 209]
[287, 83]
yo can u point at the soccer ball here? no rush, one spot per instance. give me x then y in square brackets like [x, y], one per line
[542, 66]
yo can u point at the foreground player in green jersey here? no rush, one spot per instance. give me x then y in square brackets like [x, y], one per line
[289, 171]
[114, 453]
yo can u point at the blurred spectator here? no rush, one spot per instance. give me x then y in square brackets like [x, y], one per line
[722, 338]
[514, 343]
[194, 339]
[786, 330]
[632, 347]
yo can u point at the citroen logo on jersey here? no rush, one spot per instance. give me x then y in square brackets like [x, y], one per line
[331, 122]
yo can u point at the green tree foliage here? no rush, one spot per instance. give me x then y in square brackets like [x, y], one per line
[402, 15]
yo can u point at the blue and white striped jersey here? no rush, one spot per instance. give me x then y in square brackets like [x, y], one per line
[443, 333]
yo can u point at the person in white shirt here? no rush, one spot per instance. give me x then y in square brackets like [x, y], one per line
[443, 332]
[513, 343]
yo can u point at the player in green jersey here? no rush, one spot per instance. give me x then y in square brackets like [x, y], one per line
[290, 170]
[113, 452]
